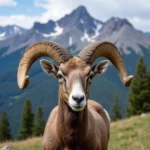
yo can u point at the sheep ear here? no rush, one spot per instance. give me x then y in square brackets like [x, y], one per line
[101, 67]
[48, 67]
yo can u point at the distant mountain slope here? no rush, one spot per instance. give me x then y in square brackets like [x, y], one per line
[73, 30]
[46, 28]
[81, 19]
[124, 35]
[79, 28]
[10, 30]
[147, 33]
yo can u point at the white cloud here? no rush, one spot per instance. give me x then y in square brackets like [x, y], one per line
[136, 11]
[8, 3]
[20, 20]
[141, 23]
[55, 9]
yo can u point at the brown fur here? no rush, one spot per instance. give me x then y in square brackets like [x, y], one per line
[70, 130]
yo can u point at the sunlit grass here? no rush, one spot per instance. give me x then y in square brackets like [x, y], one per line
[130, 134]
[29, 144]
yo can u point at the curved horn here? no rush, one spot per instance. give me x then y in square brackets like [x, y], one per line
[105, 49]
[51, 49]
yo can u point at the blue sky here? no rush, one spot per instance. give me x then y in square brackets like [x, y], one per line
[25, 7]
[25, 12]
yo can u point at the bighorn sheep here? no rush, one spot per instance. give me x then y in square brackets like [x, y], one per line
[76, 123]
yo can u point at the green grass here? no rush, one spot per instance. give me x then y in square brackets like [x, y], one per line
[129, 134]
[29, 144]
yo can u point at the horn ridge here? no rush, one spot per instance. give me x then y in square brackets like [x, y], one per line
[35, 51]
[106, 49]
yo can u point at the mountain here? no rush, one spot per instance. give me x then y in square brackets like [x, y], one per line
[124, 35]
[19, 41]
[46, 28]
[73, 31]
[81, 19]
[10, 31]
[147, 33]
[77, 29]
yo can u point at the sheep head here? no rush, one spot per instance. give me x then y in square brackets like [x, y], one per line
[74, 77]
[74, 74]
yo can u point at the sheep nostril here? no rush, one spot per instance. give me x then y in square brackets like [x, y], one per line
[78, 99]
[81, 98]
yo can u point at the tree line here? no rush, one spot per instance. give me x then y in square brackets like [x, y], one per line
[139, 94]
[31, 124]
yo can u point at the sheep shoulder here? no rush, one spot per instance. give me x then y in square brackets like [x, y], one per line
[50, 140]
[93, 105]
[96, 107]
[99, 121]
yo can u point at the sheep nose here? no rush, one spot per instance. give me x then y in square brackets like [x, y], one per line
[78, 99]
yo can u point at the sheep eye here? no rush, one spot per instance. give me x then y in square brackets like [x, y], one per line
[59, 77]
[91, 76]
[89, 79]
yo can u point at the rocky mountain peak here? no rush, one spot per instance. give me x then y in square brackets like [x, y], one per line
[80, 19]
[78, 29]
[114, 24]
[147, 33]
[10, 31]
[44, 27]
[80, 12]
[119, 21]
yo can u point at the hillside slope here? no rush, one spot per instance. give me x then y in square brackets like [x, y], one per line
[132, 133]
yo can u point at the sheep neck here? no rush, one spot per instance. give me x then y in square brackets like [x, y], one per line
[71, 126]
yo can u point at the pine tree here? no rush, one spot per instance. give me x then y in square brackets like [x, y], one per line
[116, 114]
[39, 124]
[146, 103]
[26, 122]
[5, 133]
[137, 93]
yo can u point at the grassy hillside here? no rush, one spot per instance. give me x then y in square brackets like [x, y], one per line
[129, 134]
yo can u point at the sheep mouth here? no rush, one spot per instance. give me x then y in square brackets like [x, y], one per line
[77, 108]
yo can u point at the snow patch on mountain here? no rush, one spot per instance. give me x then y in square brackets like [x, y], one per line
[10, 31]
[17, 30]
[86, 37]
[98, 27]
[81, 21]
[70, 41]
[46, 35]
[2, 36]
[58, 30]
